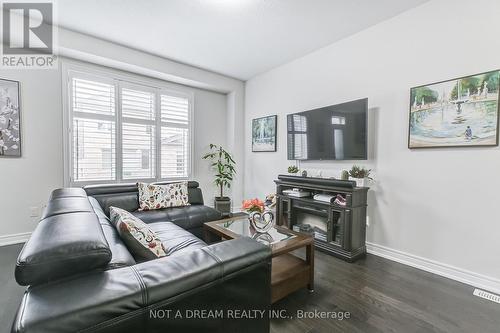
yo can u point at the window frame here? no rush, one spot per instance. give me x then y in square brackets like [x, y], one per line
[121, 80]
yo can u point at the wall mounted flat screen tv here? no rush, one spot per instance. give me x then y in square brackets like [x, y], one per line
[336, 132]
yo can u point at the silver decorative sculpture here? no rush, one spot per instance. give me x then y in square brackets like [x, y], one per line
[262, 222]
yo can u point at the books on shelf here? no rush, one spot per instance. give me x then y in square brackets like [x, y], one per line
[315, 231]
[321, 237]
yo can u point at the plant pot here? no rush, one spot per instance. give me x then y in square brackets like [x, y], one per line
[360, 182]
[223, 205]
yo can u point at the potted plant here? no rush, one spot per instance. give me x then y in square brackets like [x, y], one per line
[223, 165]
[293, 170]
[360, 175]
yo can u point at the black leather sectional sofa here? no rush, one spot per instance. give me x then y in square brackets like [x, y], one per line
[82, 278]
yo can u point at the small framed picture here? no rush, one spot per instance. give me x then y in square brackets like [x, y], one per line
[264, 134]
[461, 112]
[10, 119]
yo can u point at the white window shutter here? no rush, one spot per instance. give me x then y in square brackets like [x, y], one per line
[138, 134]
[138, 104]
[138, 144]
[93, 97]
[174, 110]
[123, 131]
[175, 138]
[93, 131]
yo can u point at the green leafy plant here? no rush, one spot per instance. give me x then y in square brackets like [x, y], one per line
[359, 172]
[293, 169]
[344, 175]
[223, 165]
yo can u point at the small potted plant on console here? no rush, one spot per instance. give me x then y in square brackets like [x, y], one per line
[293, 170]
[360, 175]
[223, 165]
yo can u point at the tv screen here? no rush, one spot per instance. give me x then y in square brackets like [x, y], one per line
[336, 132]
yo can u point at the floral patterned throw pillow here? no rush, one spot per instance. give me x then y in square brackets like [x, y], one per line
[141, 241]
[152, 196]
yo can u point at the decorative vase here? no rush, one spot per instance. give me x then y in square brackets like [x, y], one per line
[262, 222]
[360, 182]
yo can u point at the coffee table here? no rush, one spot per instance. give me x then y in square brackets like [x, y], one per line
[289, 272]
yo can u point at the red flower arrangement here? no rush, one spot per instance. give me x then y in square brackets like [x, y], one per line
[253, 205]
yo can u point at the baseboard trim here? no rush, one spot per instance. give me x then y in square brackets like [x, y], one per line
[448, 271]
[14, 238]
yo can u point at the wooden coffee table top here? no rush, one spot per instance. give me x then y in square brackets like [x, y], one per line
[283, 240]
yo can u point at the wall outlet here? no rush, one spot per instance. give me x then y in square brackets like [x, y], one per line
[34, 211]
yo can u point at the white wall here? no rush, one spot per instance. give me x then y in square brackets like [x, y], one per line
[28, 181]
[210, 126]
[434, 205]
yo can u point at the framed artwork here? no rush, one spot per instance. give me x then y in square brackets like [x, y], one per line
[461, 112]
[10, 120]
[264, 134]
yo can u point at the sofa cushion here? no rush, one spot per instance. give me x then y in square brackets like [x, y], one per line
[63, 205]
[140, 240]
[127, 201]
[120, 256]
[188, 217]
[175, 239]
[68, 192]
[62, 245]
[156, 196]
[98, 209]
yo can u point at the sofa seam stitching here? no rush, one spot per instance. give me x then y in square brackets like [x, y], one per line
[219, 260]
[137, 312]
[142, 285]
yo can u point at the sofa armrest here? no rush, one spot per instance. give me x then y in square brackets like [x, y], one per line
[231, 274]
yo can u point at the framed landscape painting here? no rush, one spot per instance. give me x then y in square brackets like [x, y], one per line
[10, 126]
[264, 134]
[457, 113]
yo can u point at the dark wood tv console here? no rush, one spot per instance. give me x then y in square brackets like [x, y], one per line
[337, 229]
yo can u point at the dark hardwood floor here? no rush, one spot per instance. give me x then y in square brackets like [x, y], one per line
[380, 295]
[384, 296]
[10, 292]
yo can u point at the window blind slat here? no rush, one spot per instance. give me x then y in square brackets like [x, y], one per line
[174, 140]
[174, 152]
[138, 146]
[137, 104]
[93, 150]
[174, 109]
[138, 140]
[93, 97]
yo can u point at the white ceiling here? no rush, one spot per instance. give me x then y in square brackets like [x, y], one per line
[238, 38]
